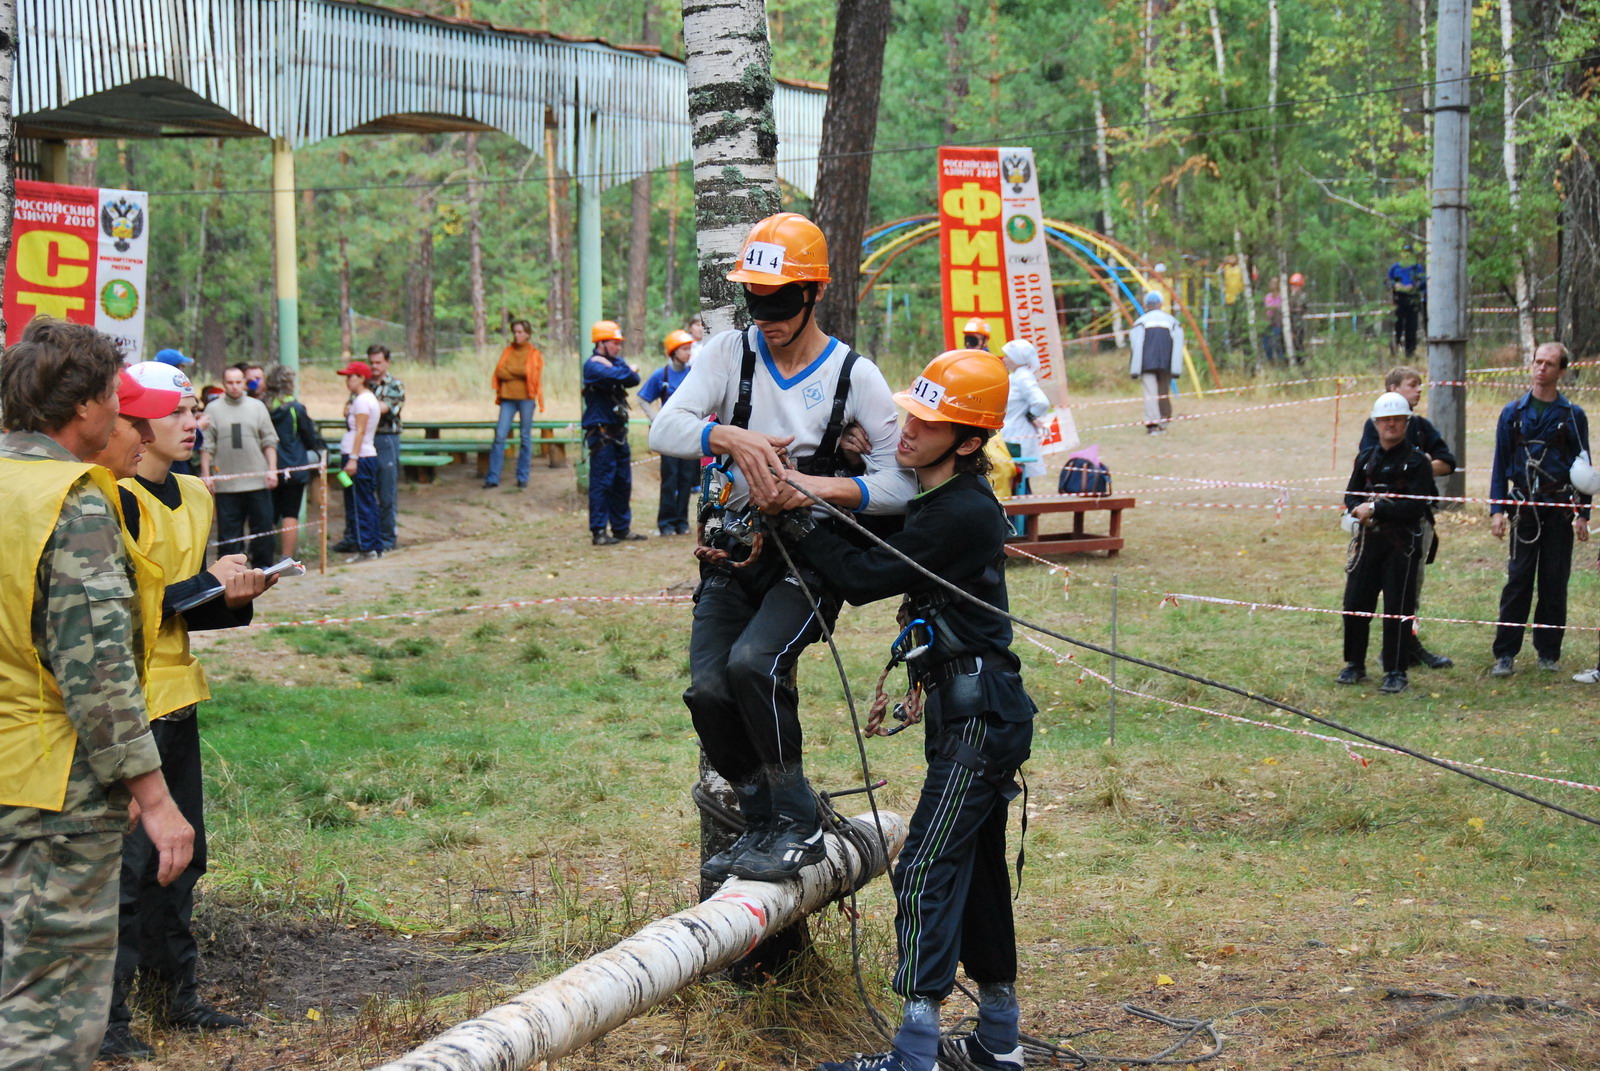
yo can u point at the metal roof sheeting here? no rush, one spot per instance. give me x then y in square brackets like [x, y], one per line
[307, 70]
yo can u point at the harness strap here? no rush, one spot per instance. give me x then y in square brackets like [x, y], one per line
[829, 446]
[747, 372]
[1003, 778]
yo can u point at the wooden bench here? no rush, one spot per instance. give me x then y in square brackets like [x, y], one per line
[1032, 508]
[419, 468]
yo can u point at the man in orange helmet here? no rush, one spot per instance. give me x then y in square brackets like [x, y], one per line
[1297, 315]
[678, 474]
[975, 334]
[606, 379]
[951, 886]
[784, 393]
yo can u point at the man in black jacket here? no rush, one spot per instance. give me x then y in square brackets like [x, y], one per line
[951, 885]
[1388, 500]
[1420, 432]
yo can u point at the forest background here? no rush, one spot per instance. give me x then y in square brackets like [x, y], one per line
[1175, 125]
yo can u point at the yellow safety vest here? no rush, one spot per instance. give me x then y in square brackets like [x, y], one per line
[37, 739]
[175, 542]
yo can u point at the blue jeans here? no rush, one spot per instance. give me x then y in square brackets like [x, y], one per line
[361, 504]
[388, 446]
[502, 432]
[610, 478]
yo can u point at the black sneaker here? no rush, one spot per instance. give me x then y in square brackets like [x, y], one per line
[791, 847]
[630, 537]
[1504, 666]
[881, 1061]
[1394, 682]
[121, 1043]
[204, 1017]
[344, 546]
[1424, 657]
[1550, 665]
[1351, 674]
[977, 1055]
[720, 866]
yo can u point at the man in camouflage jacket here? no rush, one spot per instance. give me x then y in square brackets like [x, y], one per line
[70, 650]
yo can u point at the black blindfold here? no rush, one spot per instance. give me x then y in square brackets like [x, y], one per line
[784, 303]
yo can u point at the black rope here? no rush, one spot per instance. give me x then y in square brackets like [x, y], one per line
[1184, 674]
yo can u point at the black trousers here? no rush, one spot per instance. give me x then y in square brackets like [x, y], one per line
[1407, 314]
[750, 627]
[678, 478]
[951, 884]
[153, 920]
[1541, 559]
[1387, 565]
[234, 510]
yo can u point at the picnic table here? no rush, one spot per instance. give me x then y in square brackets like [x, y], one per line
[1033, 508]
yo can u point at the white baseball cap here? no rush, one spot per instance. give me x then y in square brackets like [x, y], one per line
[157, 375]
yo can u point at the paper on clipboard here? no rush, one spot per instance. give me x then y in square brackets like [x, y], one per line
[287, 567]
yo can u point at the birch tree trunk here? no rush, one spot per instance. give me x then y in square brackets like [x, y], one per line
[638, 265]
[1249, 297]
[729, 66]
[1102, 160]
[844, 172]
[1277, 186]
[480, 310]
[8, 169]
[1508, 150]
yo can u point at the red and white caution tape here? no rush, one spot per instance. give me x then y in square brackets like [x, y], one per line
[220, 477]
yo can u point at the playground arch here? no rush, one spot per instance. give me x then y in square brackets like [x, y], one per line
[1111, 265]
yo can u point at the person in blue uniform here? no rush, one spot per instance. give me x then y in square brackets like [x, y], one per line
[606, 379]
[678, 474]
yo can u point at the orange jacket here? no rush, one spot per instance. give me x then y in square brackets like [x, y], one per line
[532, 372]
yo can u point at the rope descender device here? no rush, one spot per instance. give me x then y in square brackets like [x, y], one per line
[716, 488]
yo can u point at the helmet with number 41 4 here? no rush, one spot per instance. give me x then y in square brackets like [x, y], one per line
[782, 249]
[960, 387]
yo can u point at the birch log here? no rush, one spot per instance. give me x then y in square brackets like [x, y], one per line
[729, 64]
[605, 991]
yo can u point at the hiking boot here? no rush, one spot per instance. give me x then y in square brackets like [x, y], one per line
[1393, 682]
[1351, 674]
[1503, 666]
[1550, 665]
[121, 1043]
[975, 1054]
[1424, 657]
[795, 841]
[755, 804]
[600, 539]
[201, 1017]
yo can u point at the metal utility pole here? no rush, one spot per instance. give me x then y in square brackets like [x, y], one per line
[1447, 254]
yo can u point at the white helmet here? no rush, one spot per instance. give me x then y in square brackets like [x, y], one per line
[157, 375]
[1391, 404]
[1583, 475]
[1022, 353]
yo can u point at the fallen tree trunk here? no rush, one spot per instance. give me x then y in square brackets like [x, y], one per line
[606, 990]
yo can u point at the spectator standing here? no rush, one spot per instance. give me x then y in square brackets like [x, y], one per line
[1272, 337]
[518, 387]
[606, 379]
[1420, 432]
[1297, 315]
[1026, 407]
[391, 395]
[255, 380]
[359, 453]
[72, 708]
[1389, 500]
[177, 359]
[697, 331]
[298, 441]
[168, 518]
[1538, 438]
[678, 474]
[241, 445]
[1156, 339]
[1233, 301]
[1408, 289]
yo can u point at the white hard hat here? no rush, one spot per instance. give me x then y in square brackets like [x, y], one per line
[1022, 353]
[158, 375]
[1160, 268]
[1391, 404]
[1583, 475]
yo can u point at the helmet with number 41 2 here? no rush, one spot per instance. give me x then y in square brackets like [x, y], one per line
[960, 387]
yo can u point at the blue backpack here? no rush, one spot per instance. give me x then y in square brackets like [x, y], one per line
[1080, 476]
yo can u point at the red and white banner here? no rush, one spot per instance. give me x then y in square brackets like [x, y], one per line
[79, 253]
[994, 260]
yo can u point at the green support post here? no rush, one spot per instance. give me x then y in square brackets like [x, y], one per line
[283, 248]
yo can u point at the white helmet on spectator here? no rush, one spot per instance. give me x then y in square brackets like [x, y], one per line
[1022, 353]
[1583, 475]
[1391, 404]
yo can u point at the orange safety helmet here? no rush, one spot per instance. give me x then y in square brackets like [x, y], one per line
[676, 339]
[605, 331]
[976, 326]
[960, 387]
[782, 249]
[1297, 279]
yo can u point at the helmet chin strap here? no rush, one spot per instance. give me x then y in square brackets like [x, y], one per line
[811, 303]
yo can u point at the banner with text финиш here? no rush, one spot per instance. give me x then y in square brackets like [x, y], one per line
[79, 253]
[994, 261]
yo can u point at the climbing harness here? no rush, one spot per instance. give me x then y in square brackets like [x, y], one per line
[906, 649]
[719, 525]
